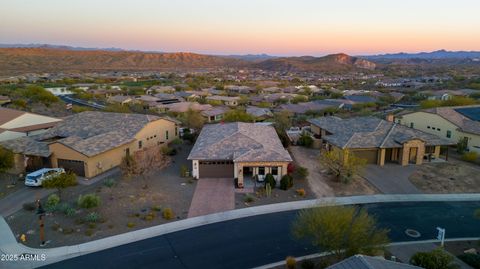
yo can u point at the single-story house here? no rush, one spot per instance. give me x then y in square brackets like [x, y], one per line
[377, 141]
[312, 106]
[238, 150]
[461, 123]
[260, 113]
[168, 98]
[17, 123]
[367, 262]
[92, 142]
[214, 114]
[182, 107]
[226, 100]
[120, 99]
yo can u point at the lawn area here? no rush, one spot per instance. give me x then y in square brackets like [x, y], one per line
[126, 204]
[449, 177]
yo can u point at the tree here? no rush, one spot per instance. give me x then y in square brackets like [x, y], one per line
[341, 230]
[60, 182]
[435, 259]
[282, 120]
[343, 164]
[192, 119]
[305, 140]
[6, 159]
[235, 115]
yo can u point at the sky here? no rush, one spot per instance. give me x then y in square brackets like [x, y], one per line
[275, 27]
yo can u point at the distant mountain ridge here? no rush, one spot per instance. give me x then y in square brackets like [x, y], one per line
[50, 46]
[439, 54]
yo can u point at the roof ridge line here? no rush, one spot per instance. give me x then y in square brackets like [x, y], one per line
[388, 134]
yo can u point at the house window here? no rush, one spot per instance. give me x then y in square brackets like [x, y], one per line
[275, 171]
[449, 134]
[261, 171]
[166, 135]
[127, 152]
[428, 127]
[411, 124]
[438, 129]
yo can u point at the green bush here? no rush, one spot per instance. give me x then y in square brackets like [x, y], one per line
[92, 217]
[168, 151]
[435, 259]
[471, 259]
[300, 173]
[131, 224]
[183, 170]
[109, 182]
[70, 211]
[168, 213]
[156, 208]
[471, 156]
[52, 201]
[88, 201]
[89, 232]
[290, 262]
[305, 140]
[61, 181]
[307, 264]
[248, 198]
[270, 180]
[286, 182]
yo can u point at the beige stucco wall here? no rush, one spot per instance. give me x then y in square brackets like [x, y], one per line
[156, 133]
[421, 121]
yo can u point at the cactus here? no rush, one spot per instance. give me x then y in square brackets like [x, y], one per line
[268, 190]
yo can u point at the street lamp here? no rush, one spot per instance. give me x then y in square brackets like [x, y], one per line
[41, 215]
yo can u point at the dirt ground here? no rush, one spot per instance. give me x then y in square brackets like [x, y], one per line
[9, 184]
[321, 183]
[458, 247]
[277, 195]
[448, 177]
[124, 207]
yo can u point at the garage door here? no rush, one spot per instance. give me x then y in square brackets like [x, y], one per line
[369, 155]
[216, 169]
[76, 167]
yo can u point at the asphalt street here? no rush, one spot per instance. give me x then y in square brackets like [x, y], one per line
[263, 239]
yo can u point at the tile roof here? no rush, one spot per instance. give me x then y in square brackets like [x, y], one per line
[258, 111]
[90, 133]
[239, 141]
[7, 114]
[370, 132]
[461, 121]
[367, 262]
[215, 111]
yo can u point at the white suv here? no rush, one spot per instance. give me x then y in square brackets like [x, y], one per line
[36, 178]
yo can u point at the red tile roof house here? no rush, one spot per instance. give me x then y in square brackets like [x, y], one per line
[238, 151]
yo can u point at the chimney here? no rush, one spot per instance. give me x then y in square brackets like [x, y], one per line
[389, 117]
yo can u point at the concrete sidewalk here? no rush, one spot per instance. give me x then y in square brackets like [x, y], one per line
[9, 245]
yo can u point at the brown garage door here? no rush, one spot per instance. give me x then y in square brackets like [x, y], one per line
[216, 169]
[369, 155]
[76, 167]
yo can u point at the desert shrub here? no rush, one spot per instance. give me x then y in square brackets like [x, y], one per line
[156, 208]
[150, 216]
[300, 173]
[471, 259]
[89, 232]
[61, 181]
[307, 264]
[167, 213]
[92, 217]
[270, 180]
[301, 192]
[52, 201]
[248, 198]
[177, 141]
[109, 182]
[168, 151]
[88, 201]
[435, 259]
[131, 224]
[471, 156]
[67, 231]
[29, 206]
[92, 225]
[305, 140]
[286, 182]
[69, 211]
[183, 170]
[290, 262]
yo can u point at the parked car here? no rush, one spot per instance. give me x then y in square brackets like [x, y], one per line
[36, 178]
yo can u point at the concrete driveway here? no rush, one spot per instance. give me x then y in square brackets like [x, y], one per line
[14, 201]
[391, 178]
[212, 195]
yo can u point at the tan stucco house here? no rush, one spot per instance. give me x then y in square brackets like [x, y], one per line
[17, 123]
[377, 141]
[238, 150]
[90, 143]
[450, 123]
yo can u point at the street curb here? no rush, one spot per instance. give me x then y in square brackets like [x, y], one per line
[316, 255]
[61, 253]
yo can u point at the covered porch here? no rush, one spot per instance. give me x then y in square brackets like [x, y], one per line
[249, 173]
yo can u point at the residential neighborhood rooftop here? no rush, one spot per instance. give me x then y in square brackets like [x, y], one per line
[467, 118]
[367, 262]
[239, 141]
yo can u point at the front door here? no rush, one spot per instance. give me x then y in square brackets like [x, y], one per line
[413, 155]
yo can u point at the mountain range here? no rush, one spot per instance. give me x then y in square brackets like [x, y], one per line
[439, 54]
